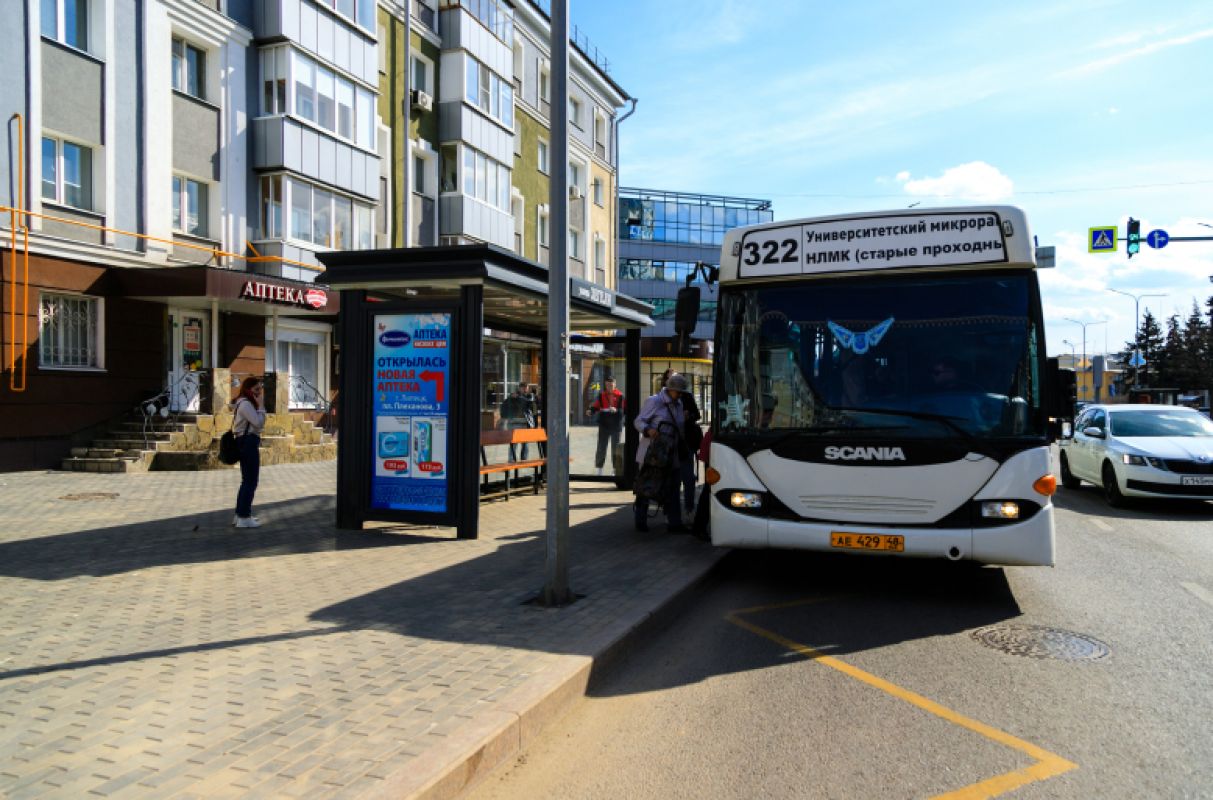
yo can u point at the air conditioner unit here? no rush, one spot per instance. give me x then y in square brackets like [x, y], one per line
[574, 192]
[422, 100]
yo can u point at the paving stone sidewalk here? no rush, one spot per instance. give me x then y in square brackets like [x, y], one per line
[147, 649]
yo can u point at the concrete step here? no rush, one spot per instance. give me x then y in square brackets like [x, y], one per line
[132, 444]
[155, 426]
[123, 464]
[186, 461]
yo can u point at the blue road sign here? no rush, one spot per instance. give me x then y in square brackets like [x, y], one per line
[1137, 360]
[1158, 239]
[1102, 239]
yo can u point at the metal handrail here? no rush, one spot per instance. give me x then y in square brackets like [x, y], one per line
[300, 382]
[160, 405]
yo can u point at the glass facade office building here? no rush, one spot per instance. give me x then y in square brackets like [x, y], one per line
[662, 235]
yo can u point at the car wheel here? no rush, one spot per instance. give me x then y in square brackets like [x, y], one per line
[1111, 489]
[1068, 479]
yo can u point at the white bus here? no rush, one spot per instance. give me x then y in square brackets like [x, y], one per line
[881, 386]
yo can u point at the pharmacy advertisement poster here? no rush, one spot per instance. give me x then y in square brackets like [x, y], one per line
[411, 409]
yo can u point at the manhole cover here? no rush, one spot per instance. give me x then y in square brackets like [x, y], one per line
[1039, 641]
[90, 496]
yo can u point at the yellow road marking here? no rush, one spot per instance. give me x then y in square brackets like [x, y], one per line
[1047, 764]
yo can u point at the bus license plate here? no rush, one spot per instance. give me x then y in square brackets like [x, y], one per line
[1196, 480]
[868, 541]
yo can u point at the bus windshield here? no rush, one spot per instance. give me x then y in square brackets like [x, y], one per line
[913, 356]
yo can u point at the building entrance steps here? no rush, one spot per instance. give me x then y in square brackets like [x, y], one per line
[190, 441]
[152, 650]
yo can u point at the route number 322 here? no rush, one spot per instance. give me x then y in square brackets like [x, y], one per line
[770, 252]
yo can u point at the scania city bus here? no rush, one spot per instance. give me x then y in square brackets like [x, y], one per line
[881, 386]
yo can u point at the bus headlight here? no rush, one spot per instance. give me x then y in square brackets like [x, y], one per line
[745, 499]
[1001, 509]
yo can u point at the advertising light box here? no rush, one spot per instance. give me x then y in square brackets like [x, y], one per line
[410, 403]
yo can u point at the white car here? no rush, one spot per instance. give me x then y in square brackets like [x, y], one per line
[1140, 451]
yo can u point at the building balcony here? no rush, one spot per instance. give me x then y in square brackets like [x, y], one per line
[289, 144]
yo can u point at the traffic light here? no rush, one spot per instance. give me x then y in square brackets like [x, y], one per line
[1134, 237]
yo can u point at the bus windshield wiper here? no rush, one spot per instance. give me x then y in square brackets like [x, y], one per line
[787, 435]
[944, 419]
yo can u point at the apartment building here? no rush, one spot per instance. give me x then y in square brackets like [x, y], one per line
[177, 165]
[183, 162]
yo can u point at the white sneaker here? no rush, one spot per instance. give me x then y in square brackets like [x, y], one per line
[236, 520]
[600, 470]
[248, 522]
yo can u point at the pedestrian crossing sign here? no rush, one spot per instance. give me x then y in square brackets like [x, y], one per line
[1102, 239]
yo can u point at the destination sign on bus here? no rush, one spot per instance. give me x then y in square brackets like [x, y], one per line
[874, 242]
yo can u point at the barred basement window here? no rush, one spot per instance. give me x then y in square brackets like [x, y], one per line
[69, 334]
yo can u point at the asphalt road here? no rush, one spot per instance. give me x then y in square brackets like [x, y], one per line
[805, 675]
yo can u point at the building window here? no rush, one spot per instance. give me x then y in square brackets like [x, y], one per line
[542, 231]
[450, 167]
[361, 12]
[418, 174]
[488, 92]
[274, 80]
[598, 193]
[189, 206]
[545, 82]
[496, 16]
[322, 217]
[543, 157]
[271, 207]
[66, 21]
[574, 243]
[600, 137]
[574, 176]
[189, 69]
[69, 331]
[421, 75]
[324, 98]
[599, 254]
[67, 173]
[575, 111]
[486, 179]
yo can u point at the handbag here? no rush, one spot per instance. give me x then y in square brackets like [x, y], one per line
[229, 448]
[656, 476]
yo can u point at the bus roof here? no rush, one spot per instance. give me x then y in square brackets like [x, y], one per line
[935, 238]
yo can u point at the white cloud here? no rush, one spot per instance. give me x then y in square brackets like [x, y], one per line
[1104, 63]
[975, 180]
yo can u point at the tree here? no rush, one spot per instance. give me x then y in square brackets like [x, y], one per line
[1150, 342]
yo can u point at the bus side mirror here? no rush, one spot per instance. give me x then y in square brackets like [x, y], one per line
[686, 310]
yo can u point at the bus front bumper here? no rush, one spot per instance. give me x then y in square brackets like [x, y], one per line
[1027, 543]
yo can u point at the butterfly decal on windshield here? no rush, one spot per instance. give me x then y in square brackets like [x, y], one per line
[735, 411]
[860, 341]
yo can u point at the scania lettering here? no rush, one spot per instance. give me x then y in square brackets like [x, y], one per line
[865, 453]
[881, 386]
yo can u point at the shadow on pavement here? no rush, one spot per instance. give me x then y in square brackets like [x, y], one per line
[304, 525]
[1088, 499]
[837, 605]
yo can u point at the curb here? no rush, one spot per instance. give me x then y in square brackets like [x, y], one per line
[494, 738]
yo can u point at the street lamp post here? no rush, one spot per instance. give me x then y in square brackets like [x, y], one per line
[1073, 357]
[1136, 327]
[1084, 341]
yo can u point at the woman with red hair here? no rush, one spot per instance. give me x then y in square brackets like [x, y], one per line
[249, 413]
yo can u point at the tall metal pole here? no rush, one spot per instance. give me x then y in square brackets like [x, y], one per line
[1084, 343]
[1136, 327]
[556, 587]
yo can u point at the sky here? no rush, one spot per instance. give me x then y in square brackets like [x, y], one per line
[1081, 112]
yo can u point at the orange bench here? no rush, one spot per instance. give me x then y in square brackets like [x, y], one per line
[513, 437]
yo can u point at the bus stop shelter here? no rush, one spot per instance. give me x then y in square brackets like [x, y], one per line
[435, 345]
